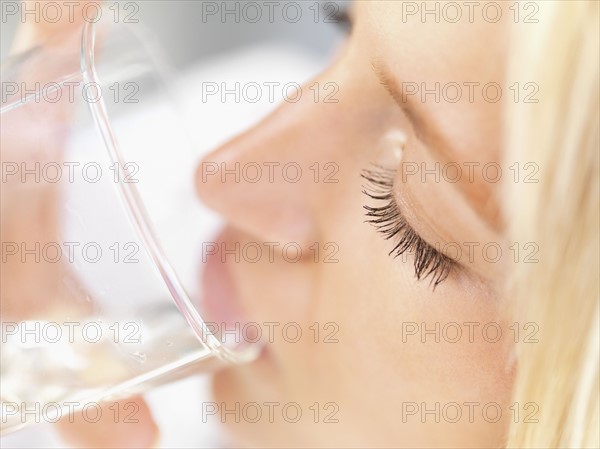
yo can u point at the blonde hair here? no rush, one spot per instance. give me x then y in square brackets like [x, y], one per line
[560, 213]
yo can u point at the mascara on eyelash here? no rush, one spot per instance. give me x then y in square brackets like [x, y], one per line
[389, 221]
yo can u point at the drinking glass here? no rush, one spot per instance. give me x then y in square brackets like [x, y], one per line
[99, 271]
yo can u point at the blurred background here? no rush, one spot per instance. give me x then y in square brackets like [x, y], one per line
[188, 39]
[222, 41]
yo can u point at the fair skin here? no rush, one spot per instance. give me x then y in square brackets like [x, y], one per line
[370, 372]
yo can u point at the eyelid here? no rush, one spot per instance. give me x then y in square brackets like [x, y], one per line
[389, 84]
[389, 220]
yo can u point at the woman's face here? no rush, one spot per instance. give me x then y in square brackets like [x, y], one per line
[403, 361]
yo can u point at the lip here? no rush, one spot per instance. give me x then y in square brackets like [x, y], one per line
[220, 301]
[220, 305]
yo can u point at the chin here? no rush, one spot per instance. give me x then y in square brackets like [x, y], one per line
[246, 384]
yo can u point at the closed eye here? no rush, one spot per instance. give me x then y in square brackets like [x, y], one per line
[389, 221]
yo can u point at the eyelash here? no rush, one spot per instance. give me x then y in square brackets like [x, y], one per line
[389, 221]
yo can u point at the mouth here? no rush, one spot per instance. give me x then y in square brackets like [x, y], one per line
[220, 304]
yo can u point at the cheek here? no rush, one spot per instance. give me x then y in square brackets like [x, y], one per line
[398, 336]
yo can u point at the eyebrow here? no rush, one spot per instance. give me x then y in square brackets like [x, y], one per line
[425, 131]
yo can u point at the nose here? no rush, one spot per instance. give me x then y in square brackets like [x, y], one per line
[263, 181]
[282, 180]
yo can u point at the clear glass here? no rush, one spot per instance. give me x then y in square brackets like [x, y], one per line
[99, 275]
